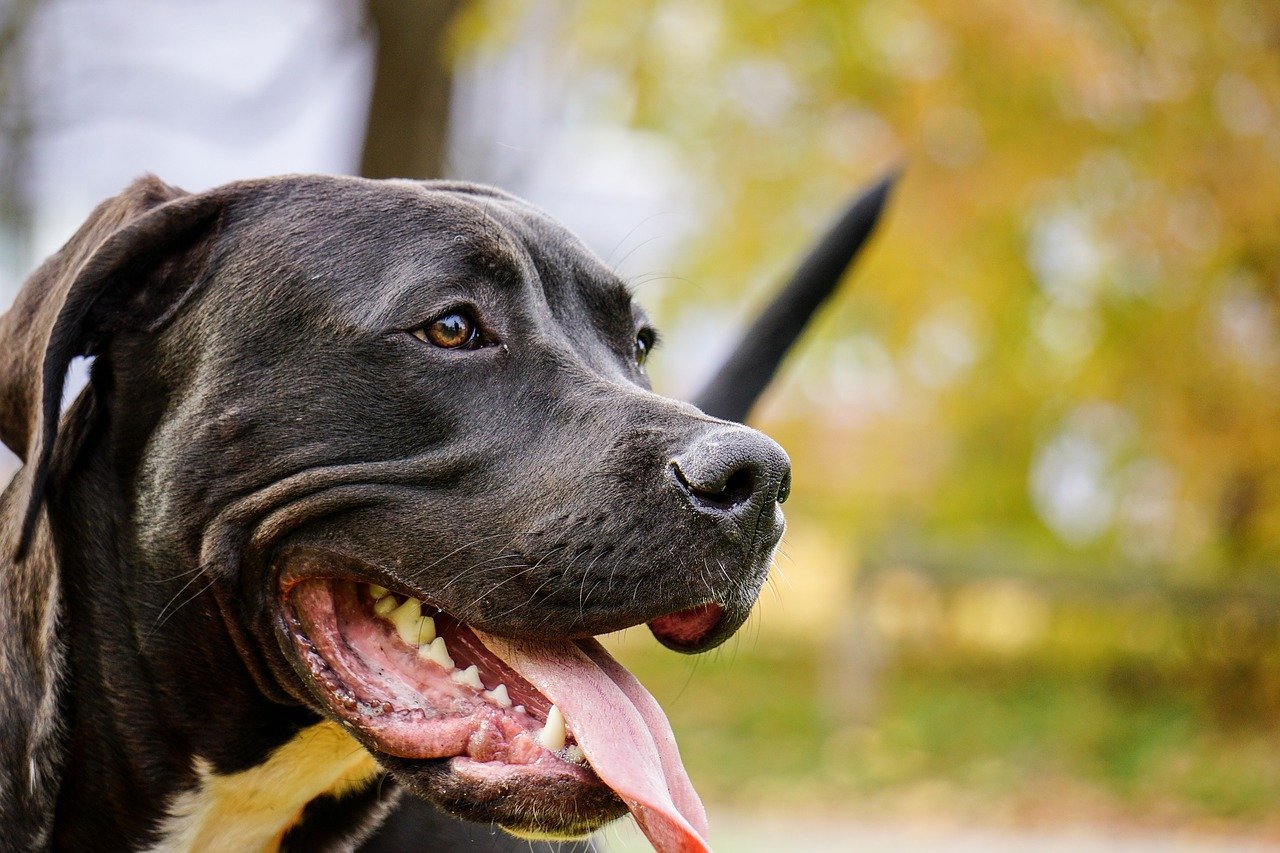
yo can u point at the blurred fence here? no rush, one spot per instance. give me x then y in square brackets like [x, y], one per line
[1219, 643]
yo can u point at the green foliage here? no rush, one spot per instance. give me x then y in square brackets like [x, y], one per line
[1088, 225]
[1012, 742]
[1056, 367]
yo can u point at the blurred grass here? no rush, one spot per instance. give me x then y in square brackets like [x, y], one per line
[1008, 741]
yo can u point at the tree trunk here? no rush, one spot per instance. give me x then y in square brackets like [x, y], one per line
[409, 113]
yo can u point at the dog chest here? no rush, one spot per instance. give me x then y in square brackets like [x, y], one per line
[253, 809]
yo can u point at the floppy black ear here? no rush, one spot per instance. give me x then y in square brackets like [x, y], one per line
[117, 270]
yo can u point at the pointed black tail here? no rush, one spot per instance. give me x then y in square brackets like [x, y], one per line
[736, 386]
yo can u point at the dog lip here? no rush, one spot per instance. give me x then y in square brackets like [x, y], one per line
[410, 708]
[303, 564]
[298, 563]
[688, 630]
[563, 796]
[512, 797]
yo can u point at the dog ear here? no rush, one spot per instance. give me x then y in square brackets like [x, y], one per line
[116, 271]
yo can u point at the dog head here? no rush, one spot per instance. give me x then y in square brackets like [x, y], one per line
[403, 434]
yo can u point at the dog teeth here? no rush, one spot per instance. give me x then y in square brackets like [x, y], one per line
[498, 696]
[377, 593]
[436, 652]
[415, 629]
[519, 709]
[420, 632]
[553, 733]
[408, 621]
[573, 754]
[469, 676]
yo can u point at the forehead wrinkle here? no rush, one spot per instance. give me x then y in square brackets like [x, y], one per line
[565, 267]
[566, 276]
[460, 246]
[515, 226]
[487, 234]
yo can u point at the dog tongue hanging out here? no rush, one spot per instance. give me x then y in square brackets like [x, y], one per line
[622, 732]
[507, 714]
[361, 470]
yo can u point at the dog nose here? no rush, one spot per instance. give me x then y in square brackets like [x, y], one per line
[735, 473]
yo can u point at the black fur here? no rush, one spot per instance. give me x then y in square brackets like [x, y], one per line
[259, 404]
[730, 394]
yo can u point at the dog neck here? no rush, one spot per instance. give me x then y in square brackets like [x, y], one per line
[169, 740]
[253, 809]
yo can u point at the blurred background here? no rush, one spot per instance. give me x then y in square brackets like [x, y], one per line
[1028, 597]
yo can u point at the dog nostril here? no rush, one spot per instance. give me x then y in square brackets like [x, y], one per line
[735, 473]
[732, 491]
[736, 490]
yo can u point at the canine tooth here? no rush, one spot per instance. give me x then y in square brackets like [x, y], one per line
[378, 592]
[407, 617]
[552, 735]
[469, 676]
[436, 652]
[384, 605]
[499, 696]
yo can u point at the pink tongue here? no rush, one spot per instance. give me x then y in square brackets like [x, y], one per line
[622, 731]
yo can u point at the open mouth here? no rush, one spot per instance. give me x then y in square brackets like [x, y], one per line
[548, 737]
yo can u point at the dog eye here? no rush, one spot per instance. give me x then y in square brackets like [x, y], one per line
[645, 340]
[453, 330]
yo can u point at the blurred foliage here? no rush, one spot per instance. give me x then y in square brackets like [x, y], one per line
[1040, 431]
[1066, 336]
[1027, 741]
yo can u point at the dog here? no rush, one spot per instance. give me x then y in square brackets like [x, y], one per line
[361, 469]
[730, 394]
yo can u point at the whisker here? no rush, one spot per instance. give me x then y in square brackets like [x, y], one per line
[627, 237]
[472, 544]
[169, 578]
[161, 621]
[502, 582]
[195, 573]
[582, 599]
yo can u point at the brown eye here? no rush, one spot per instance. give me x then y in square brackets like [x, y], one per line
[451, 331]
[645, 339]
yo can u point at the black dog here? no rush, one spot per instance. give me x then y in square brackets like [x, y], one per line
[730, 394]
[360, 470]
[314, 397]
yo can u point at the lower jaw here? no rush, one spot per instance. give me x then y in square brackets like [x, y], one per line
[472, 759]
[527, 802]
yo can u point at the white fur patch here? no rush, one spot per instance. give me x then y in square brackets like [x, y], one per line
[253, 809]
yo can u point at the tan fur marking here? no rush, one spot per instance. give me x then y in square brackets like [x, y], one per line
[253, 809]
